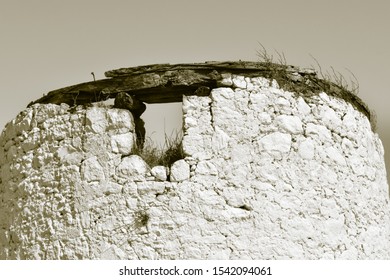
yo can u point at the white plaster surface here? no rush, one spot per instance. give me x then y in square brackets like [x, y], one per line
[268, 175]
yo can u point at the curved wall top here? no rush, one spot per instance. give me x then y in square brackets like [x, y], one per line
[268, 173]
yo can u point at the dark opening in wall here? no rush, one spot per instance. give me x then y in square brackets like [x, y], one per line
[163, 138]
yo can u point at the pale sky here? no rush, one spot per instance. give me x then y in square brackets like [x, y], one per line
[50, 44]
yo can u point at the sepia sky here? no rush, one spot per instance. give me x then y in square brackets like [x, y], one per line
[50, 44]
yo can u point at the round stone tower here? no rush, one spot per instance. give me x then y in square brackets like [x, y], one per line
[277, 164]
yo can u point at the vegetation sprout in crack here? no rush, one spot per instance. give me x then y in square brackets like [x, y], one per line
[307, 84]
[141, 218]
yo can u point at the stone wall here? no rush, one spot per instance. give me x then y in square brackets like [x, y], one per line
[267, 175]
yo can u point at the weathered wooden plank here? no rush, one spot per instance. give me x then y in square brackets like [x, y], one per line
[164, 83]
[158, 83]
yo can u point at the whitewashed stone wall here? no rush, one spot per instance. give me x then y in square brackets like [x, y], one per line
[267, 175]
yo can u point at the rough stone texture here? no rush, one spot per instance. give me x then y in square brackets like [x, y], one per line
[132, 167]
[180, 171]
[122, 143]
[268, 175]
[159, 172]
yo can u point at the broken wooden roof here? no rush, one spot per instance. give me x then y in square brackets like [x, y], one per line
[157, 83]
[165, 83]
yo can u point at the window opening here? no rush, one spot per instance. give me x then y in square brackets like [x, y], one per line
[163, 124]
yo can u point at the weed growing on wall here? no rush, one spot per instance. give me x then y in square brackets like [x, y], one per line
[308, 84]
[141, 218]
[166, 155]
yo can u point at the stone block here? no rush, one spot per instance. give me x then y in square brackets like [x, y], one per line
[122, 143]
[276, 142]
[180, 171]
[239, 81]
[96, 119]
[132, 167]
[306, 149]
[321, 132]
[206, 168]
[335, 156]
[92, 170]
[120, 121]
[289, 124]
[160, 173]
[226, 80]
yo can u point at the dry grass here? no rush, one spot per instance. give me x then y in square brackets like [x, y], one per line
[153, 155]
[332, 82]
